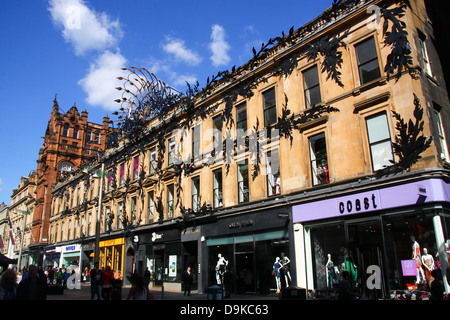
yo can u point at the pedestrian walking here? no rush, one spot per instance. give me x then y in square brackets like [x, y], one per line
[32, 288]
[107, 278]
[138, 290]
[8, 285]
[188, 279]
[59, 277]
[96, 282]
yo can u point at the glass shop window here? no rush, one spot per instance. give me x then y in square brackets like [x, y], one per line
[411, 251]
[328, 249]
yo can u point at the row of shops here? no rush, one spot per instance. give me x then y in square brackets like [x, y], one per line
[385, 232]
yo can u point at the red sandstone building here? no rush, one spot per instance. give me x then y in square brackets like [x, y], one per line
[70, 141]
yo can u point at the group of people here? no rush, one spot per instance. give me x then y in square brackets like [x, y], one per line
[32, 286]
[102, 283]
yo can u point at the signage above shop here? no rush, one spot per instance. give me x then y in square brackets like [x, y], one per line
[358, 203]
[156, 236]
[70, 248]
[239, 224]
[408, 194]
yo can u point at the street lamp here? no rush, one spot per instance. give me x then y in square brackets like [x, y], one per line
[25, 213]
[97, 224]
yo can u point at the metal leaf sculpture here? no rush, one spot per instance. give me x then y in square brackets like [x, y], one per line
[410, 142]
[332, 56]
[397, 39]
[144, 97]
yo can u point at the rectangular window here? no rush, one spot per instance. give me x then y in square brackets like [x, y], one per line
[65, 132]
[151, 206]
[196, 142]
[424, 53]
[88, 135]
[75, 133]
[136, 168]
[107, 226]
[122, 174]
[171, 151]
[379, 141]
[133, 210]
[89, 226]
[119, 215]
[152, 160]
[109, 185]
[97, 137]
[241, 122]
[217, 134]
[217, 188]
[319, 159]
[441, 133]
[273, 173]
[243, 194]
[195, 194]
[170, 201]
[368, 66]
[311, 87]
[270, 108]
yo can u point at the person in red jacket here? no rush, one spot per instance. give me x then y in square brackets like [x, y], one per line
[107, 283]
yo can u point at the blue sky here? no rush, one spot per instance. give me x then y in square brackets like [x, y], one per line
[75, 49]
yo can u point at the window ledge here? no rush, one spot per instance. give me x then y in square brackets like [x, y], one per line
[313, 123]
[361, 105]
[369, 85]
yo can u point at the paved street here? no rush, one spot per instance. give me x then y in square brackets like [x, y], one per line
[85, 294]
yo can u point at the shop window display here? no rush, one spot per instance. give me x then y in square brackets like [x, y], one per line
[329, 251]
[248, 260]
[410, 238]
[401, 246]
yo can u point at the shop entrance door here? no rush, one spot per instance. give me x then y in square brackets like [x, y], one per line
[159, 267]
[245, 275]
[365, 254]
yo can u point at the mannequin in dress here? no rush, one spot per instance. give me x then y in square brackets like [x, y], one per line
[220, 268]
[428, 262]
[285, 265]
[276, 273]
[416, 256]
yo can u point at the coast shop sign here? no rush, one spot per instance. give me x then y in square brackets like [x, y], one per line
[358, 203]
[413, 193]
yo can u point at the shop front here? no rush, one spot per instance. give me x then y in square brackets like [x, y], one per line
[112, 255]
[70, 255]
[388, 238]
[242, 250]
[51, 256]
[163, 252]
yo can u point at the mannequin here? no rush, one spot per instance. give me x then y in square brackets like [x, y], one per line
[220, 268]
[428, 262]
[276, 273]
[332, 272]
[416, 256]
[285, 264]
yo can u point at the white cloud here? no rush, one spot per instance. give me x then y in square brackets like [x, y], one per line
[177, 48]
[101, 81]
[164, 72]
[82, 27]
[219, 46]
